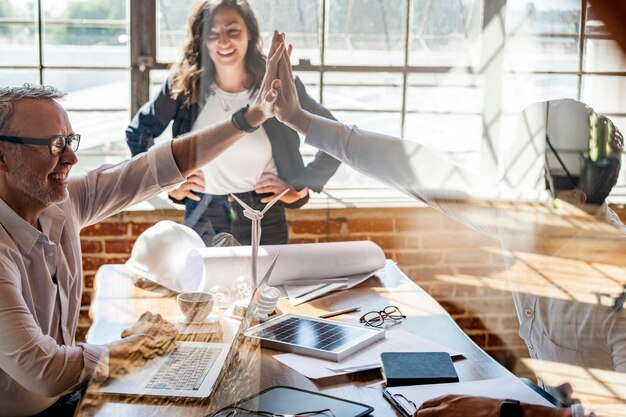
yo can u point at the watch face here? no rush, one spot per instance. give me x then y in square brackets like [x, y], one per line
[510, 408]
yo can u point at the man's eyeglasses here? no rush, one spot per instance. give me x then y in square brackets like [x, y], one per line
[56, 144]
[377, 318]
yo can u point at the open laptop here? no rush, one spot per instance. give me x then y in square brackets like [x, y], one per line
[190, 370]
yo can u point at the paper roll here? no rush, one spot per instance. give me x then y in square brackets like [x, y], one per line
[206, 267]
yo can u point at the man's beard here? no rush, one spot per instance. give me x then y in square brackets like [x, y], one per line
[37, 189]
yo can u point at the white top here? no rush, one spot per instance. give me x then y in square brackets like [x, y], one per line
[238, 168]
[39, 359]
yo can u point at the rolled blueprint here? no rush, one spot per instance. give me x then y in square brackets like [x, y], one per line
[207, 267]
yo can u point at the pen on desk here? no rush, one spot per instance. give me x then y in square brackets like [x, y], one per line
[339, 312]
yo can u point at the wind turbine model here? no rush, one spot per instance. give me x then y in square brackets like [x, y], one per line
[256, 216]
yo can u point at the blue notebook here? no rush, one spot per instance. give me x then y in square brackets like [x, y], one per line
[417, 368]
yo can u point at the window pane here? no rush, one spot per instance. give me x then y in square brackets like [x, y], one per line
[102, 132]
[18, 77]
[542, 36]
[85, 33]
[522, 90]
[384, 122]
[604, 93]
[363, 91]
[300, 20]
[604, 55]
[443, 32]
[445, 93]
[92, 89]
[18, 32]
[172, 27]
[311, 82]
[366, 32]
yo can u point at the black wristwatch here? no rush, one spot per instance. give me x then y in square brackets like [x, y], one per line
[510, 408]
[240, 122]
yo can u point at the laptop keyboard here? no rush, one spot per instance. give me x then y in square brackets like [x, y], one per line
[185, 368]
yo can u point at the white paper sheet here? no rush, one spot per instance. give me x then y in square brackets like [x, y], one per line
[207, 267]
[508, 387]
[396, 340]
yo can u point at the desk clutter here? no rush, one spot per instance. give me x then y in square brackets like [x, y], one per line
[415, 368]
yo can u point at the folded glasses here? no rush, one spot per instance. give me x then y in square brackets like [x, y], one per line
[377, 318]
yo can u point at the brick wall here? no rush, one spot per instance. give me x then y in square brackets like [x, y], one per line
[461, 268]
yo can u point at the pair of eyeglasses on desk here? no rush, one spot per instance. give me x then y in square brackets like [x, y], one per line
[243, 412]
[377, 318]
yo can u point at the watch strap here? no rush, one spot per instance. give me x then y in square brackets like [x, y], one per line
[240, 122]
[510, 408]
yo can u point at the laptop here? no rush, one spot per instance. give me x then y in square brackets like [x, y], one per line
[190, 370]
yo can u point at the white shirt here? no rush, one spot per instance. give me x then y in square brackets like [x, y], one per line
[238, 168]
[39, 359]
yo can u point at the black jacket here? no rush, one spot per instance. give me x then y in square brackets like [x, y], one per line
[154, 116]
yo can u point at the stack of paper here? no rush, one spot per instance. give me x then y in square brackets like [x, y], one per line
[396, 340]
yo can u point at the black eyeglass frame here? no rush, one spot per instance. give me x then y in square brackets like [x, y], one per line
[66, 140]
[382, 315]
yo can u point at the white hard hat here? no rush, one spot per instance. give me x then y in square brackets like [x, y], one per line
[160, 252]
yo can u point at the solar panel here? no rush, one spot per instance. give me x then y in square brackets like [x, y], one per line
[326, 339]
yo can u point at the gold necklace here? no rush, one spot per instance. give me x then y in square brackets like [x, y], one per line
[226, 104]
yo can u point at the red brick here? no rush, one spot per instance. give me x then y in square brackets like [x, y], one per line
[91, 246]
[452, 308]
[480, 339]
[467, 257]
[119, 245]
[493, 340]
[302, 240]
[81, 334]
[87, 297]
[470, 323]
[446, 240]
[317, 227]
[370, 225]
[439, 289]
[419, 275]
[105, 229]
[433, 223]
[88, 279]
[138, 228]
[395, 242]
[340, 238]
[92, 263]
[83, 316]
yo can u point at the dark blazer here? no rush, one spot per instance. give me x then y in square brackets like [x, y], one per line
[154, 116]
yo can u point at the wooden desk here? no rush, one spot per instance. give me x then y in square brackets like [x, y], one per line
[118, 303]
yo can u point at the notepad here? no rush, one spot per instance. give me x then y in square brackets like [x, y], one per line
[417, 368]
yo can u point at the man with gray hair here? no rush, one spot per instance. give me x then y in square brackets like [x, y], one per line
[42, 211]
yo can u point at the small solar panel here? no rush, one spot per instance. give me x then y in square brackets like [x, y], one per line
[312, 336]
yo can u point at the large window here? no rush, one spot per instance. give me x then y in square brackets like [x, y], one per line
[430, 70]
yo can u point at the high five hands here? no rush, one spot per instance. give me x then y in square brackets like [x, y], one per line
[287, 107]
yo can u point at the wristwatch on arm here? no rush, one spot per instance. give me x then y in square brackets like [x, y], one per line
[240, 122]
[510, 408]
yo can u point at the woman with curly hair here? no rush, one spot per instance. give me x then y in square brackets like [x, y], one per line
[220, 72]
